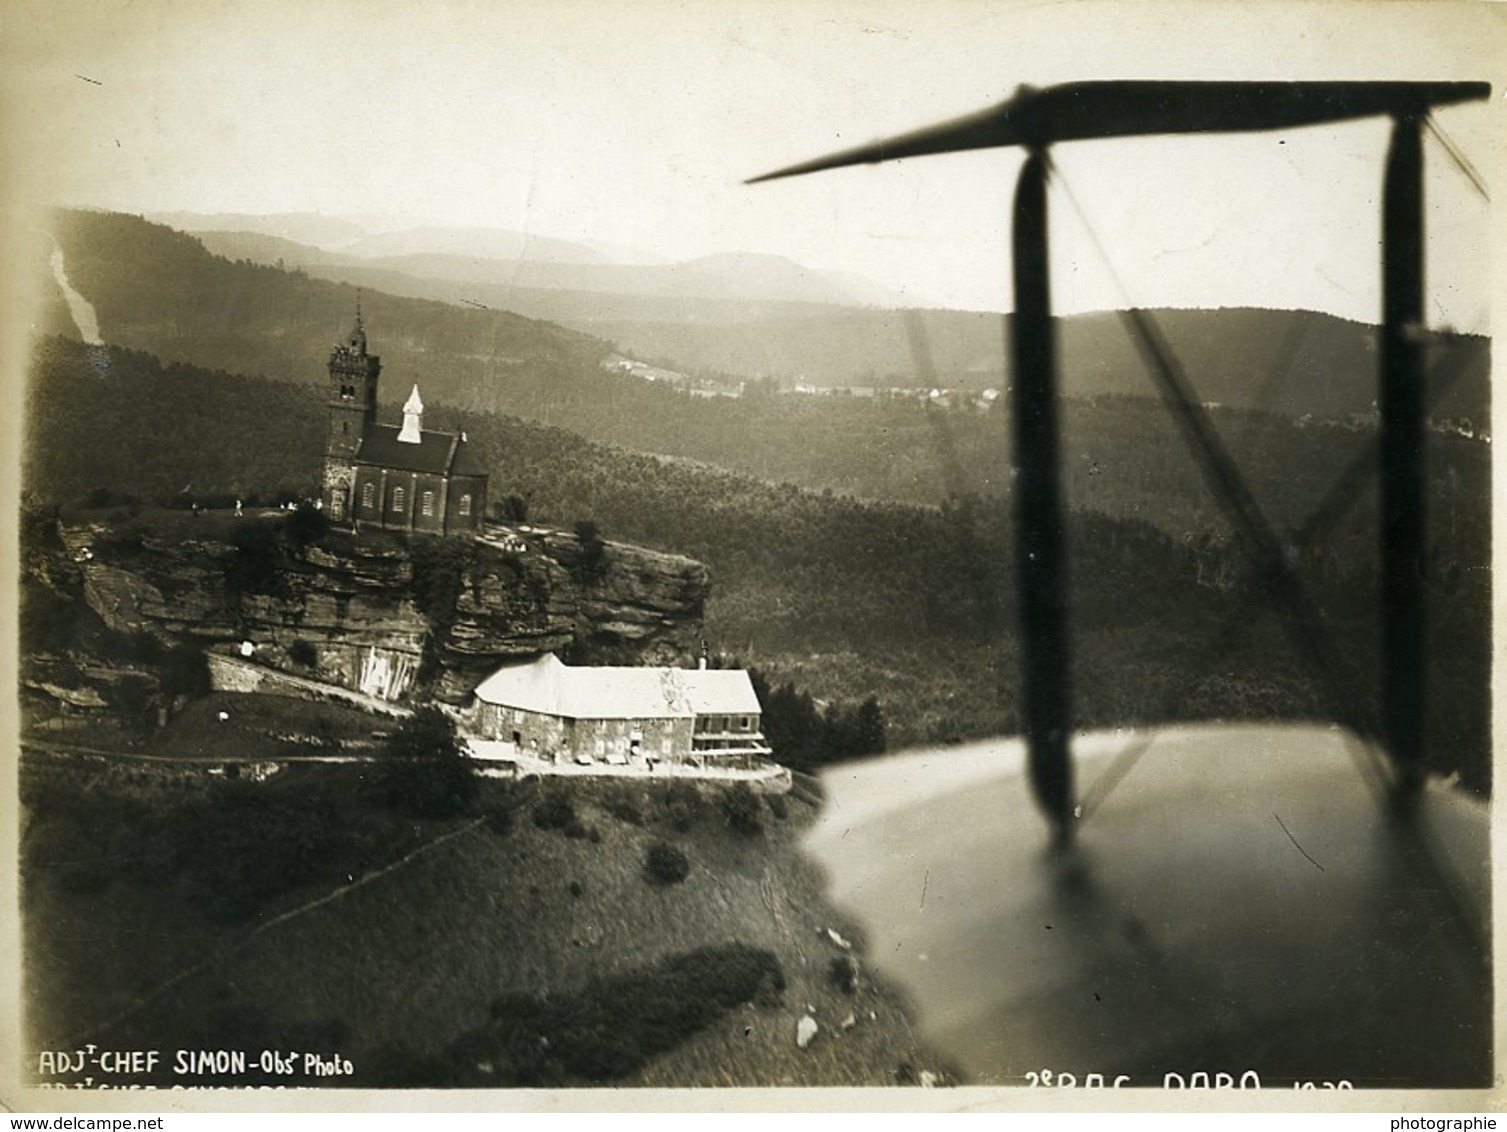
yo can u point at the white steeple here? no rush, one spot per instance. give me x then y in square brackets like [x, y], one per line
[413, 419]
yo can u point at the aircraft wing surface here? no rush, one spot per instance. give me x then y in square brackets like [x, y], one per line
[1242, 902]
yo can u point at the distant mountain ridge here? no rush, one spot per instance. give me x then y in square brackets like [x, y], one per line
[735, 315]
[302, 227]
[522, 259]
[160, 290]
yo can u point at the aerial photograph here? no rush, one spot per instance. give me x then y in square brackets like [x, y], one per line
[885, 553]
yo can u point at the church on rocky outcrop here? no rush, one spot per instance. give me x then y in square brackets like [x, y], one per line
[398, 477]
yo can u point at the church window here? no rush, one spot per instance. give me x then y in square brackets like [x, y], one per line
[397, 499]
[465, 504]
[368, 495]
[428, 503]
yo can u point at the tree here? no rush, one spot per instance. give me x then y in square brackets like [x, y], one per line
[185, 672]
[593, 560]
[428, 773]
[428, 734]
[256, 565]
[39, 524]
[869, 730]
[307, 524]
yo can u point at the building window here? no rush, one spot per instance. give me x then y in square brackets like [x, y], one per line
[428, 503]
[397, 499]
[465, 504]
[745, 723]
[368, 495]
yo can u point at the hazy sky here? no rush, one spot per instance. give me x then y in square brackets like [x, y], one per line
[635, 124]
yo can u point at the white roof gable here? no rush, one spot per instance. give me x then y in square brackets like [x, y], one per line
[550, 688]
[531, 686]
[721, 691]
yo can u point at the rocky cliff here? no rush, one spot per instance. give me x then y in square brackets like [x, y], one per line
[376, 613]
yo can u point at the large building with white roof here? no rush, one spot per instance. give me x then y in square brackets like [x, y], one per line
[632, 716]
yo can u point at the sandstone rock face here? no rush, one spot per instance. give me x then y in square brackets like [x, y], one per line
[444, 615]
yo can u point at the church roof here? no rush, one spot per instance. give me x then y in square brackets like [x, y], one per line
[442, 453]
[467, 461]
[547, 687]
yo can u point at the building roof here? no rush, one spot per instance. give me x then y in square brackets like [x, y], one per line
[548, 687]
[437, 452]
[467, 460]
[721, 691]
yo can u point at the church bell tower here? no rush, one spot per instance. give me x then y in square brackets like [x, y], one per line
[353, 410]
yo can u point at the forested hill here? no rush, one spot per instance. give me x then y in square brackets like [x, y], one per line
[159, 290]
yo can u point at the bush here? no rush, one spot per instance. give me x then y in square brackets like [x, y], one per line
[500, 822]
[842, 972]
[777, 806]
[683, 804]
[512, 509]
[624, 809]
[185, 672]
[103, 498]
[665, 864]
[613, 1026]
[741, 808]
[555, 811]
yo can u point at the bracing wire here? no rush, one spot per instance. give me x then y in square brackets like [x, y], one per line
[1230, 492]
[1336, 503]
[1457, 155]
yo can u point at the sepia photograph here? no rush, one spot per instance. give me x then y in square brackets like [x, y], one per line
[916, 554]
